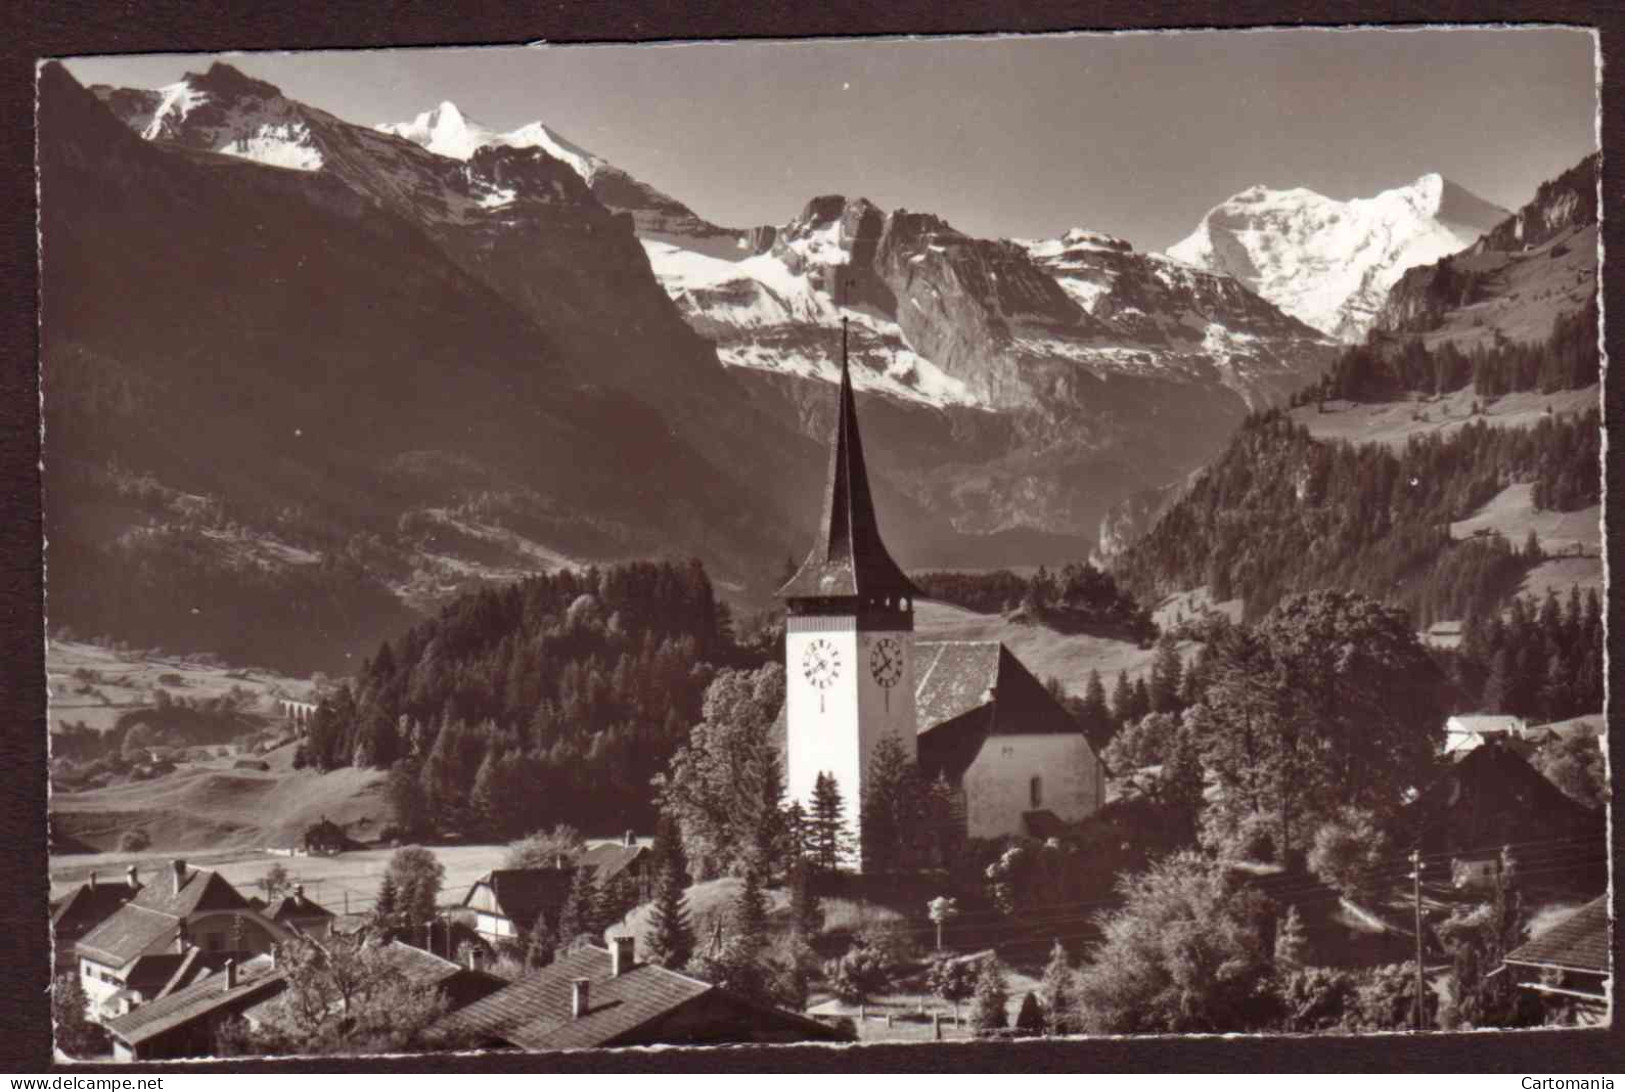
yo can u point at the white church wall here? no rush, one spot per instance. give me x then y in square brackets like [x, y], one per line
[999, 782]
[835, 728]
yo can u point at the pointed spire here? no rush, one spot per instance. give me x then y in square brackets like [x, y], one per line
[848, 558]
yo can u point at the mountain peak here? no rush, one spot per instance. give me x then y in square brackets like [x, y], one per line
[446, 130]
[1330, 263]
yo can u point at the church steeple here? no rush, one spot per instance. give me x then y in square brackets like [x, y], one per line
[848, 559]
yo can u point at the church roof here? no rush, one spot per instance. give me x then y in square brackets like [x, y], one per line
[966, 691]
[848, 558]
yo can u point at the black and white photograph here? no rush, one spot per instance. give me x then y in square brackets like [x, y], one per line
[829, 542]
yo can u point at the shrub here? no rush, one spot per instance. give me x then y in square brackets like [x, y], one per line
[134, 841]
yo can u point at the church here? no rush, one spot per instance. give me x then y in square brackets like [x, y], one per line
[968, 711]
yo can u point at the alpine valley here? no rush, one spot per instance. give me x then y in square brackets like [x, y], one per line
[336, 374]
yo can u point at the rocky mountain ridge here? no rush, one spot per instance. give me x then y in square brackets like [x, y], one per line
[1330, 263]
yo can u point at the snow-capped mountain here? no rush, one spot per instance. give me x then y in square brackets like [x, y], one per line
[1330, 263]
[446, 130]
[1535, 267]
[946, 319]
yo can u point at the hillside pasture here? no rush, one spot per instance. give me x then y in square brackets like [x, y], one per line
[1513, 514]
[1393, 423]
[95, 684]
[1046, 653]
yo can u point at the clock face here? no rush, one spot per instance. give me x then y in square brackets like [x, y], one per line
[821, 663]
[886, 662]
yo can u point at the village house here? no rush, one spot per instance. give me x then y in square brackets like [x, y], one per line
[294, 910]
[1015, 760]
[506, 902]
[132, 956]
[82, 909]
[591, 997]
[1568, 964]
[1491, 797]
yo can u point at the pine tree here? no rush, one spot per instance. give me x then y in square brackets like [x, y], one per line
[1056, 992]
[749, 917]
[831, 838]
[1097, 715]
[987, 1014]
[579, 919]
[806, 908]
[542, 944]
[1167, 676]
[386, 911]
[1123, 699]
[671, 937]
[1031, 1019]
[1291, 942]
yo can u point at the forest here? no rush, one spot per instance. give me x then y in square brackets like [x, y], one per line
[1385, 369]
[555, 699]
[1076, 597]
[1280, 512]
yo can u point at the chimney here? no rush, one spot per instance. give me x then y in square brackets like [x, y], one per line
[299, 893]
[134, 877]
[631, 839]
[578, 996]
[231, 974]
[472, 956]
[558, 862]
[92, 879]
[620, 956]
[179, 867]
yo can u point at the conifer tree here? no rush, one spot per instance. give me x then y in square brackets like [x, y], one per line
[1097, 715]
[1056, 992]
[579, 918]
[1291, 942]
[388, 907]
[987, 1013]
[1123, 699]
[1167, 676]
[542, 944]
[671, 936]
[831, 839]
[1031, 1019]
[806, 908]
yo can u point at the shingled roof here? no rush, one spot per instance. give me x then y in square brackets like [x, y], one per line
[521, 894]
[85, 907]
[848, 558]
[535, 1012]
[609, 859]
[295, 905]
[1492, 797]
[202, 998]
[174, 895]
[1577, 943]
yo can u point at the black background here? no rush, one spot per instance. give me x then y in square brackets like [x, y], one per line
[31, 31]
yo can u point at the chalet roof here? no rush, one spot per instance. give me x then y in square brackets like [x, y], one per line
[1493, 797]
[521, 894]
[535, 1011]
[85, 907]
[423, 968]
[609, 859]
[296, 905]
[159, 908]
[1577, 943]
[255, 979]
[848, 557]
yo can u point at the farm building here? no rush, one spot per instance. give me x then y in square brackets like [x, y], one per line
[596, 998]
[1568, 964]
[82, 909]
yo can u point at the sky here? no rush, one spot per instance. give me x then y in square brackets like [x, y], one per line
[1137, 135]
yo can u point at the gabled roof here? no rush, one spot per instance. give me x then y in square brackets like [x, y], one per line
[201, 999]
[966, 691]
[159, 909]
[521, 894]
[848, 558]
[1492, 797]
[1577, 943]
[85, 906]
[1484, 722]
[296, 905]
[535, 1012]
[609, 859]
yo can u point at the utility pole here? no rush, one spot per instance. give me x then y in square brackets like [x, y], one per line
[1416, 881]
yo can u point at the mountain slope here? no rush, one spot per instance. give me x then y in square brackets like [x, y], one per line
[1330, 263]
[1532, 269]
[237, 354]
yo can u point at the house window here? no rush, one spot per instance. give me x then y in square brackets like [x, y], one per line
[1035, 790]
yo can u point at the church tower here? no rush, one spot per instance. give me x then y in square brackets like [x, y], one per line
[849, 635]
